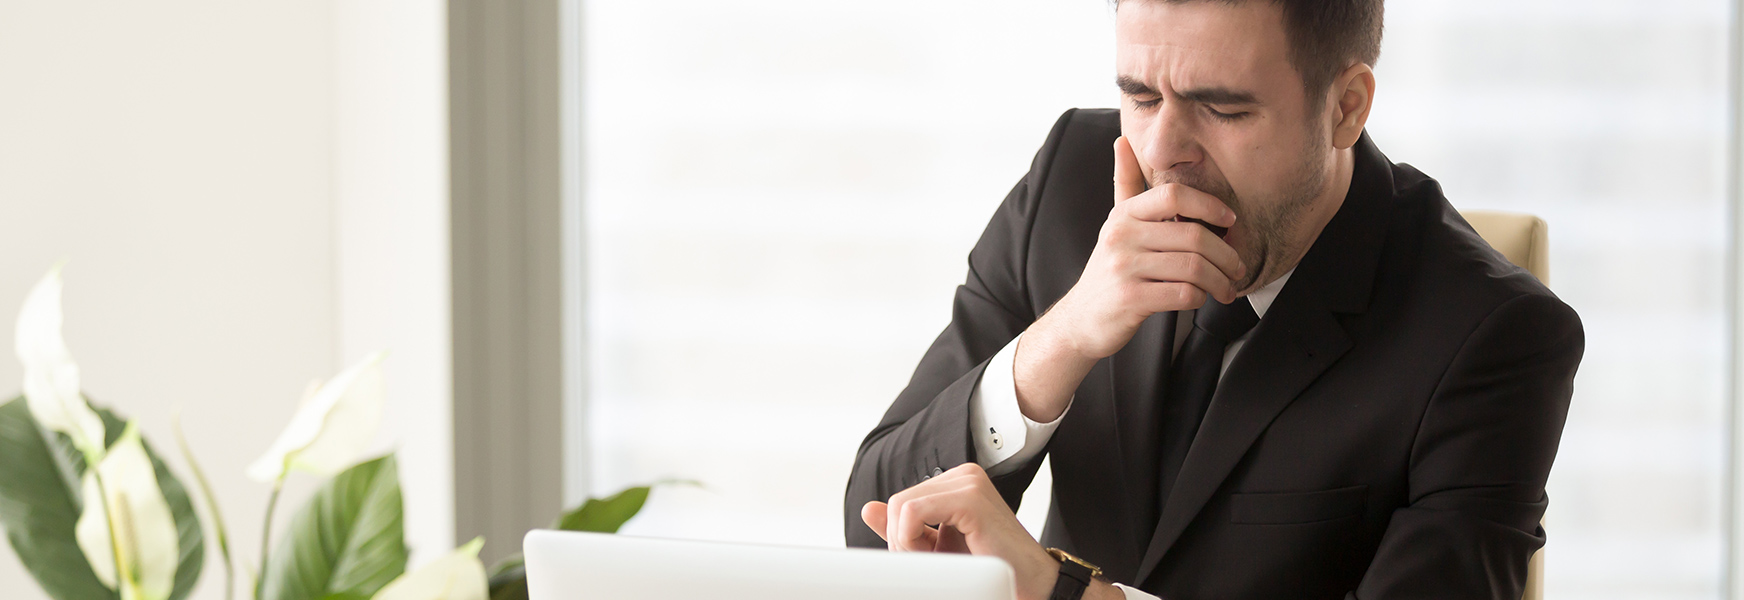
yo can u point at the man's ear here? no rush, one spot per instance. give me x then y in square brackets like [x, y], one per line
[1354, 95]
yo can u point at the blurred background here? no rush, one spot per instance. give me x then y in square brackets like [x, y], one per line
[746, 221]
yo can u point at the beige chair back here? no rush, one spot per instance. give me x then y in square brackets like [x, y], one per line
[1525, 240]
[1522, 238]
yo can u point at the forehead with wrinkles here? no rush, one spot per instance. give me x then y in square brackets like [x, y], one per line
[1180, 46]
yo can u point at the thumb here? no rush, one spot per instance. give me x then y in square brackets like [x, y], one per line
[1128, 179]
[875, 515]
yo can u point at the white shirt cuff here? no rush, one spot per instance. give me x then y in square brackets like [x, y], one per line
[1134, 593]
[1004, 438]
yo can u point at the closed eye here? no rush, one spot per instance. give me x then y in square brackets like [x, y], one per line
[1223, 116]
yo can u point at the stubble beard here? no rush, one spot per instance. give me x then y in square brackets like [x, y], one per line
[1271, 225]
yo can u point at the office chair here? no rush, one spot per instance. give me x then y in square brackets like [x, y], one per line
[1524, 239]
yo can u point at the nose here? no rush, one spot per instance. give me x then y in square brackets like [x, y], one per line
[1171, 141]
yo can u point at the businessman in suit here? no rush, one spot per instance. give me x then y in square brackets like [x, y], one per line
[1266, 361]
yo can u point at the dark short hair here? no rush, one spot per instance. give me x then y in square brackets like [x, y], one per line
[1325, 37]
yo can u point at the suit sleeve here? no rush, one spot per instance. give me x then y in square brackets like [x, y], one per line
[926, 430]
[1482, 454]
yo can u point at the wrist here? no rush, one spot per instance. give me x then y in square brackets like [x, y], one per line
[1075, 577]
[1046, 369]
[1045, 579]
[1053, 335]
[1103, 590]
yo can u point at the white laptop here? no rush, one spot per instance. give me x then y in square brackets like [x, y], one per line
[564, 565]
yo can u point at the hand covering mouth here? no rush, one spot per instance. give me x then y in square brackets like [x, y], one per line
[1220, 232]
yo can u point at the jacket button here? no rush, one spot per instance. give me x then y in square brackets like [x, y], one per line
[937, 472]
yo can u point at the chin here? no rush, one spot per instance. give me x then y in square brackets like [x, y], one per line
[1252, 253]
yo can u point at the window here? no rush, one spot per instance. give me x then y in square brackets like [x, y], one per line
[780, 196]
[1607, 119]
[780, 199]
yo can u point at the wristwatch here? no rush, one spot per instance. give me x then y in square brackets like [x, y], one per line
[1075, 575]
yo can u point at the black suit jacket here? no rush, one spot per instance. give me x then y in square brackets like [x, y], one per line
[1386, 432]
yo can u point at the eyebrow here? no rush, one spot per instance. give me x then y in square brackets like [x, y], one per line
[1211, 95]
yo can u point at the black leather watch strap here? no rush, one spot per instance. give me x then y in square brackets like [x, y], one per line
[1073, 581]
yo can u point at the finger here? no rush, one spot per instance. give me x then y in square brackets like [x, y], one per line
[915, 528]
[1185, 267]
[873, 513]
[1181, 236]
[1170, 200]
[895, 515]
[951, 540]
[927, 540]
[892, 521]
[1128, 178]
[968, 470]
[971, 475]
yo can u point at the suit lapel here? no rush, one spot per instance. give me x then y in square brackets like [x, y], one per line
[1299, 338]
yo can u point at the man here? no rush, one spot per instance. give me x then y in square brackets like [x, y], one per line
[1266, 361]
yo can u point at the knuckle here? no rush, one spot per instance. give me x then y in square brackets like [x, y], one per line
[1118, 233]
[1169, 200]
[909, 512]
[1121, 263]
[1183, 294]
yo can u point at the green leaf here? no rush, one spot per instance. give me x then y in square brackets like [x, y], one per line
[345, 596]
[509, 580]
[348, 539]
[191, 539]
[37, 488]
[605, 515]
[508, 564]
[39, 507]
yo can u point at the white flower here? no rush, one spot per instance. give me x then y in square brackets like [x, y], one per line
[141, 525]
[334, 423]
[51, 379]
[457, 576]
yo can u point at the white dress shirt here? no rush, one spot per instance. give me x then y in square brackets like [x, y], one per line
[1005, 439]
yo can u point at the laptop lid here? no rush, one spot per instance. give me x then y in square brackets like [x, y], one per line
[564, 565]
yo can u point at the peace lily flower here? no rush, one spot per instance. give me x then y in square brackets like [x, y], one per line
[136, 517]
[457, 576]
[334, 423]
[51, 379]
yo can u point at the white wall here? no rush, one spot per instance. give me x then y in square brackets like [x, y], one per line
[391, 176]
[250, 195]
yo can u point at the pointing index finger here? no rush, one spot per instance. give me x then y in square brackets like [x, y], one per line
[1128, 178]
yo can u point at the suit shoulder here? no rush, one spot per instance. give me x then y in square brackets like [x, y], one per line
[1458, 265]
[1080, 145]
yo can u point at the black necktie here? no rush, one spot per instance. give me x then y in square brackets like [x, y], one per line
[1193, 379]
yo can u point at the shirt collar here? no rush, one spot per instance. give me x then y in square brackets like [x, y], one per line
[1262, 298]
